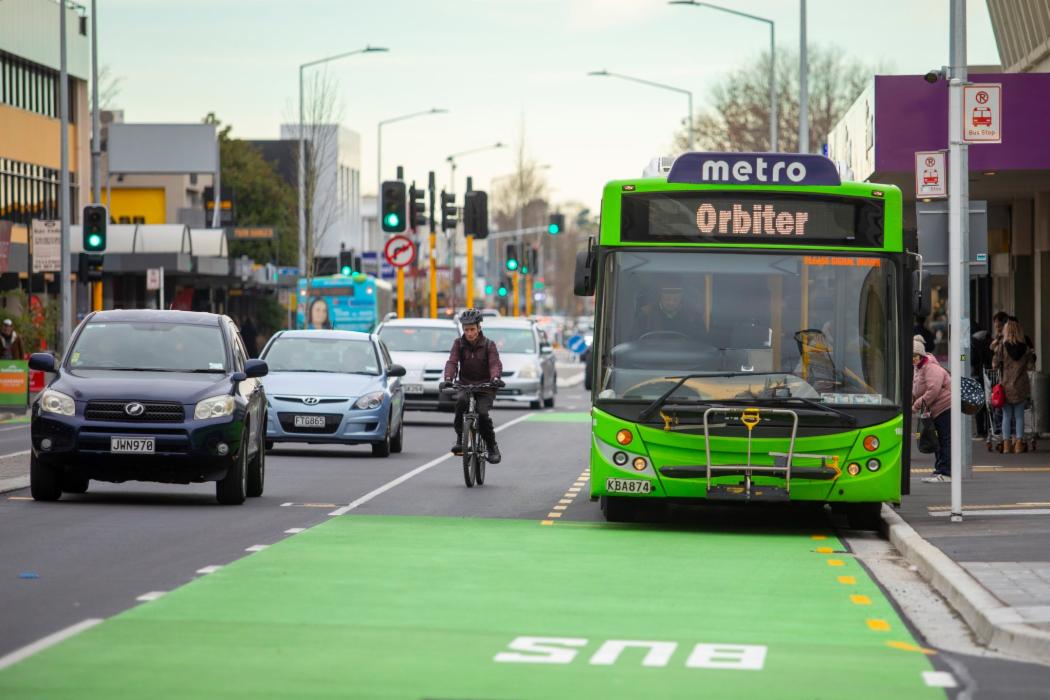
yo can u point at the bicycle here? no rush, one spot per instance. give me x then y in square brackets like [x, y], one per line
[474, 452]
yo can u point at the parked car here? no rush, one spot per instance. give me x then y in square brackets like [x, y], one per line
[334, 387]
[166, 396]
[421, 346]
[528, 361]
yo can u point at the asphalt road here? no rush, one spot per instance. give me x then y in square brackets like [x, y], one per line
[14, 438]
[96, 555]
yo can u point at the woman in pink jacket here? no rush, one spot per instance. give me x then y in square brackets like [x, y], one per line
[931, 390]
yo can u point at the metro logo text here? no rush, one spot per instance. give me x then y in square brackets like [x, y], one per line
[743, 171]
[754, 169]
[758, 219]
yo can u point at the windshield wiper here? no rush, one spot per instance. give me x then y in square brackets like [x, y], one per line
[661, 400]
[851, 419]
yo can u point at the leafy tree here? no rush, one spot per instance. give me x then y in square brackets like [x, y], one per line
[263, 199]
[739, 120]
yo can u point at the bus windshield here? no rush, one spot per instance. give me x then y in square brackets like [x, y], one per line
[755, 326]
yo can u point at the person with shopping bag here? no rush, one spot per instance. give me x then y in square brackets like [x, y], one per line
[931, 390]
[1014, 359]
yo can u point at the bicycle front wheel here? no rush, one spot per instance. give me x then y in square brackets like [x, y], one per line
[469, 438]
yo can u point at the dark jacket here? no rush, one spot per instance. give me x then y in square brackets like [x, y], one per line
[1014, 360]
[11, 347]
[473, 363]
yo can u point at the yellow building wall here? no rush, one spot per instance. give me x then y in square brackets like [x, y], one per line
[34, 138]
[137, 205]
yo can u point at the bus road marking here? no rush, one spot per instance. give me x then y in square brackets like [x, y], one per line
[658, 654]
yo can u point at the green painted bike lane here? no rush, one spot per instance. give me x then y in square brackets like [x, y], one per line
[422, 607]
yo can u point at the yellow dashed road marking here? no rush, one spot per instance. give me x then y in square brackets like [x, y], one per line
[819, 537]
[905, 646]
[836, 562]
[877, 625]
[824, 550]
[847, 580]
[546, 522]
[860, 599]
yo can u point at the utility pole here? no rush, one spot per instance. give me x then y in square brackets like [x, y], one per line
[65, 281]
[95, 288]
[803, 84]
[468, 284]
[958, 240]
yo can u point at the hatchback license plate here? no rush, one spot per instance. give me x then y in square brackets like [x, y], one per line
[133, 445]
[309, 422]
[628, 486]
[413, 388]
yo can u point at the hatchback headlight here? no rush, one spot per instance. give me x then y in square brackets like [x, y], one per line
[215, 407]
[52, 401]
[368, 401]
[527, 372]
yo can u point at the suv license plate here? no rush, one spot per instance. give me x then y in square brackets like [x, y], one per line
[133, 445]
[309, 422]
[628, 486]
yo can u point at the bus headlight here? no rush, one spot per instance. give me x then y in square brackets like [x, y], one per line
[639, 464]
[619, 458]
[873, 465]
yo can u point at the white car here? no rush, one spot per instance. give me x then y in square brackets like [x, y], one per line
[528, 361]
[421, 346]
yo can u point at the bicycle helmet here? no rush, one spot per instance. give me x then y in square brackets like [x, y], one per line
[470, 317]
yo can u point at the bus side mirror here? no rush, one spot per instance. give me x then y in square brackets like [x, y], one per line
[584, 281]
[920, 293]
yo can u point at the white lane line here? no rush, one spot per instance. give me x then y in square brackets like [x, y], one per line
[939, 679]
[256, 548]
[209, 569]
[152, 595]
[50, 640]
[285, 505]
[16, 427]
[418, 470]
[294, 530]
[15, 454]
[1013, 511]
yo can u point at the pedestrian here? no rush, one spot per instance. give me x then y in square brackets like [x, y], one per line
[1014, 359]
[931, 390]
[10, 342]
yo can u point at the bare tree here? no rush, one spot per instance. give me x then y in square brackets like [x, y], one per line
[739, 120]
[108, 87]
[519, 200]
[322, 113]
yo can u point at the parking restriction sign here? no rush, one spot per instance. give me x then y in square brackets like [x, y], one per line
[931, 175]
[982, 113]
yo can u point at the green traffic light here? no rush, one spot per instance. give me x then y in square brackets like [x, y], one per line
[392, 220]
[503, 291]
[488, 289]
[512, 264]
[553, 229]
[346, 270]
[94, 241]
[524, 270]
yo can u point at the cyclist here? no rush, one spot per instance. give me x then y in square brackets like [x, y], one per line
[474, 359]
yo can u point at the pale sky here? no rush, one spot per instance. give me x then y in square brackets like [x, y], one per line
[493, 64]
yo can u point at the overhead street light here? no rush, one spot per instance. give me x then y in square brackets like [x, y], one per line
[452, 160]
[653, 83]
[773, 146]
[302, 146]
[379, 140]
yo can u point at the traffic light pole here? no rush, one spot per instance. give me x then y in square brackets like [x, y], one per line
[469, 283]
[517, 298]
[433, 251]
[528, 294]
[400, 292]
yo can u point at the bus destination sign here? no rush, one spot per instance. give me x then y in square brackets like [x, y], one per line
[753, 169]
[751, 217]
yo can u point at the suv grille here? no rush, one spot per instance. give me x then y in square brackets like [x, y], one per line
[155, 412]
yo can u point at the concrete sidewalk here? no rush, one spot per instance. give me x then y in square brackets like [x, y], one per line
[14, 471]
[994, 566]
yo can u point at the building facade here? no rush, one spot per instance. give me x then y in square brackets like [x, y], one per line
[1022, 33]
[30, 134]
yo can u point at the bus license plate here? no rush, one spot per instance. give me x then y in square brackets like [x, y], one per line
[628, 486]
[132, 445]
[413, 388]
[309, 422]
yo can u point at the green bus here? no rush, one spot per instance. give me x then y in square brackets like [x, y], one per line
[752, 342]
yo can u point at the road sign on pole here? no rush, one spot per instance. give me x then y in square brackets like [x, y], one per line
[47, 246]
[152, 279]
[399, 251]
[982, 114]
[931, 175]
[576, 344]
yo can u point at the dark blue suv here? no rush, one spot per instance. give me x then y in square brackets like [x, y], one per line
[166, 396]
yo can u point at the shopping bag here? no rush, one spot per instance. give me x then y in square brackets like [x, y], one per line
[998, 396]
[928, 442]
[971, 395]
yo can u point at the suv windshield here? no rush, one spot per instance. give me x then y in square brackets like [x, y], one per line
[511, 340]
[418, 338]
[165, 347]
[757, 326]
[287, 354]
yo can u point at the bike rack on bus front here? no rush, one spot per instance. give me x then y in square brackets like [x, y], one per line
[750, 417]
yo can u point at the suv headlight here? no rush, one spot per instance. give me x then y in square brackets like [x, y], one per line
[368, 401]
[215, 407]
[52, 401]
[527, 372]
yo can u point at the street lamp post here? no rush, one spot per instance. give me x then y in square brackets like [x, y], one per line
[772, 61]
[652, 83]
[379, 144]
[452, 161]
[302, 148]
